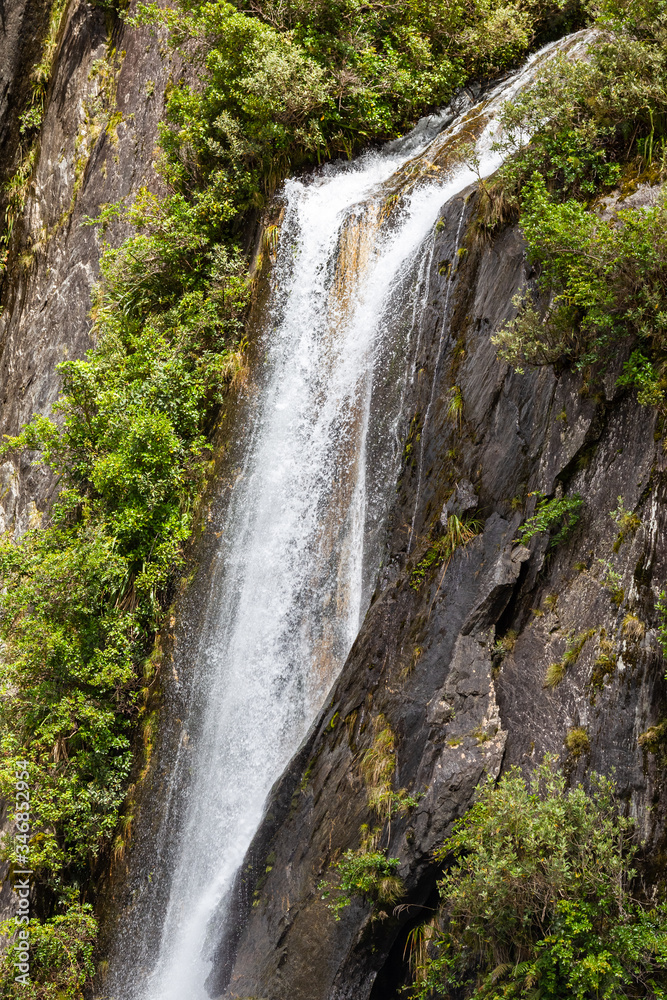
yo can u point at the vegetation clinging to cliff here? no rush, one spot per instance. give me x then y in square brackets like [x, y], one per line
[280, 88]
[84, 593]
[539, 898]
[86, 590]
[584, 128]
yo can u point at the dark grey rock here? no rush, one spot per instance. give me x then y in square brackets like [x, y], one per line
[427, 661]
[462, 500]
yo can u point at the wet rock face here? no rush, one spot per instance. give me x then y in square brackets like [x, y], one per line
[96, 146]
[456, 666]
[427, 659]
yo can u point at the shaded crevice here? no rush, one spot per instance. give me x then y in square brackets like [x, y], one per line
[395, 973]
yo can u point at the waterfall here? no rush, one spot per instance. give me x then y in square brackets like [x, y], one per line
[299, 554]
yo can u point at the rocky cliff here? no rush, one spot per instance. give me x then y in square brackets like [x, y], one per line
[452, 657]
[96, 146]
[456, 666]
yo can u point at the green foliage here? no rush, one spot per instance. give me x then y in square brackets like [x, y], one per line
[285, 85]
[661, 608]
[15, 189]
[369, 874]
[61, 957]
[612, 581]
[378, 766]
[556, 671]
[457, 534]
[577, 742]
[505, 644]
[538, 899]
[83, 595]
[562, 514]
[592, 123]
[584, 119]
[606, 278]
[628, 522]
[605, 662]
[647, 379]
[455, 407]
[386, 63]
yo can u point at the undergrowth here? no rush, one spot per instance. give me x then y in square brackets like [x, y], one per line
[368, 873]
[586, 127]
[541, 897]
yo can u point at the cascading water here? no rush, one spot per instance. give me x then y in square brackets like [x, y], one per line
[302, 541]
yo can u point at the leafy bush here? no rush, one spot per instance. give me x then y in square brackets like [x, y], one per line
[366, 873]
[539, 899]
[647, 377]
[606, 279]
[594, 123]
[387, 63]
[83, 595]
[61, 964]
[583, 119]
[562, 514]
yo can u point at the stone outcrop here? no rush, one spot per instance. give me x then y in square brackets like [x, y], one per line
[96, 147]
[456, 665]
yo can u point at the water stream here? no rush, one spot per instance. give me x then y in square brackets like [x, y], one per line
[299, 555]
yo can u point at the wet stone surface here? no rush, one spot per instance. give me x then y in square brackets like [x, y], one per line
[426, 660]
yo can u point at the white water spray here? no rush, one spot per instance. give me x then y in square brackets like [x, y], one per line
[299, 554]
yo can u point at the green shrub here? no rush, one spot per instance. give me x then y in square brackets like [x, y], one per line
[83, 595]
[562, 514]
[647, 378]
[61, 963]
[606, 278]
[540, 899]
[369, 874]
[387, 63]
[594, 122]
